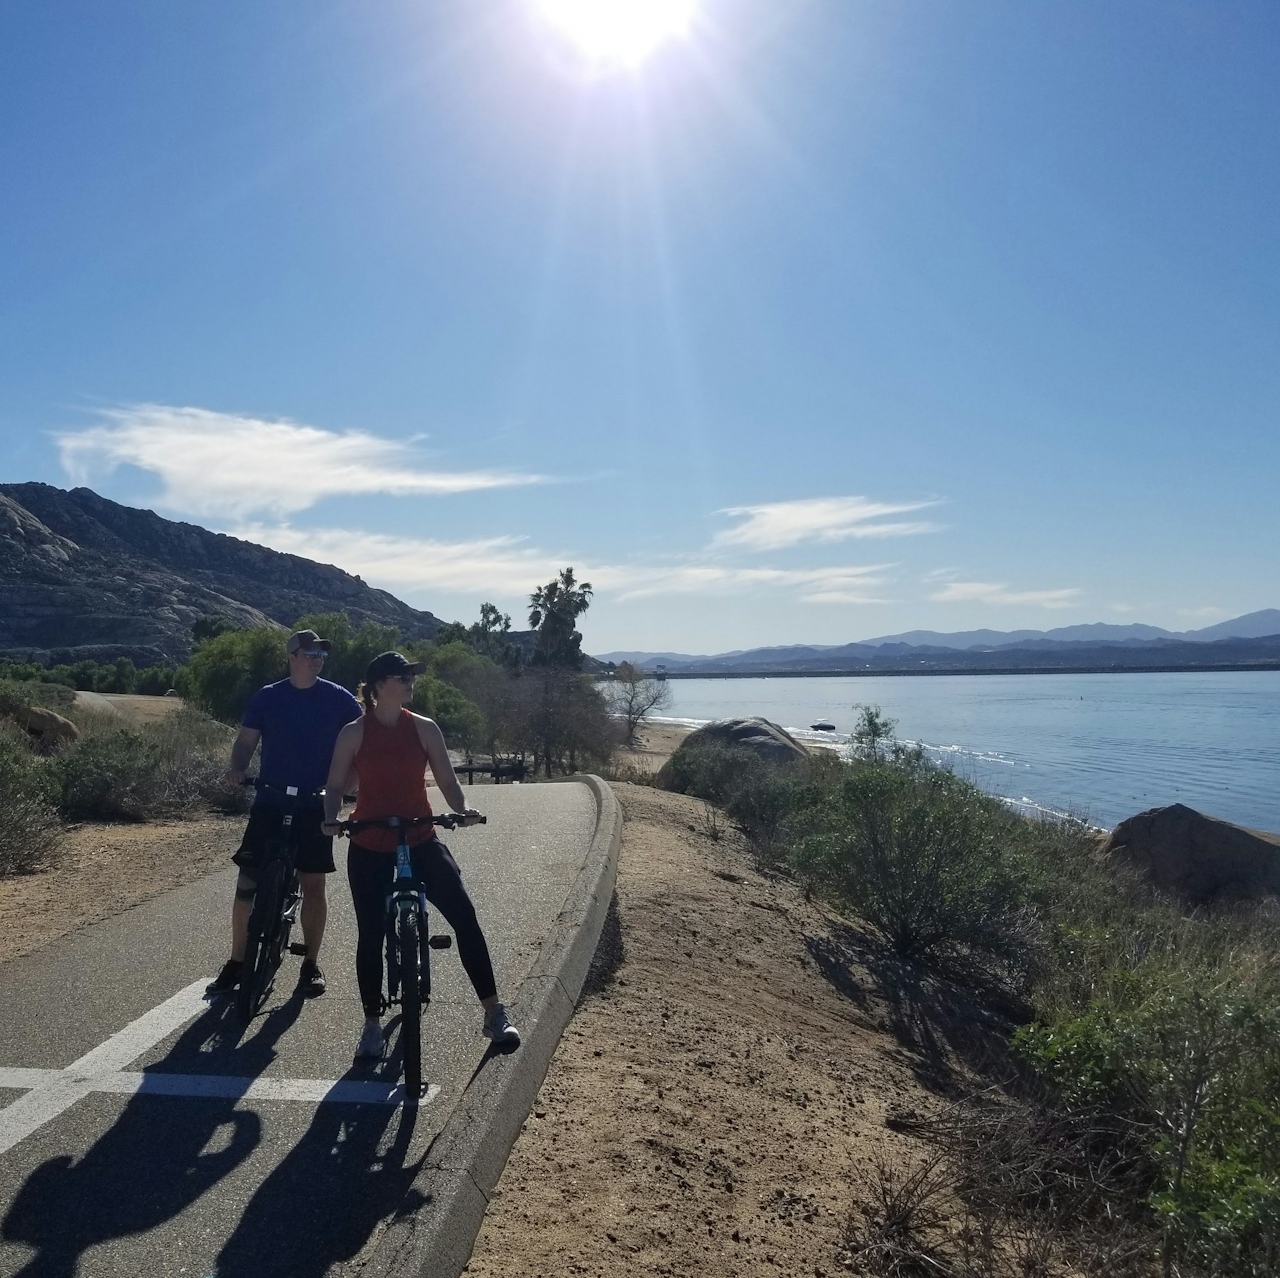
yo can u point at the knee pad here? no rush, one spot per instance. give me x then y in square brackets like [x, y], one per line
[246, 889]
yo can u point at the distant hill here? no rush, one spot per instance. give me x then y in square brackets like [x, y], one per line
[1251, 639]
[1253, 625]
[84, 577]
[1096, 632]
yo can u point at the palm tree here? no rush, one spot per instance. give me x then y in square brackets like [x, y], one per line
[553, 611]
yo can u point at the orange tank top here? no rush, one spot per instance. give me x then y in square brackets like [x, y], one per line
[391, 766]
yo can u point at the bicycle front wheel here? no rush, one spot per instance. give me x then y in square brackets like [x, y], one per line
[407, 943]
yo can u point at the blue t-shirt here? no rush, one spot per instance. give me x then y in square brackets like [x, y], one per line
[299, 727]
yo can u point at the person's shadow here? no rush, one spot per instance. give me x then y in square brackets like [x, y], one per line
[156, 1159]
[321, 1204]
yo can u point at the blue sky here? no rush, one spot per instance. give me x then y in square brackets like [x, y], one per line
[827, 319]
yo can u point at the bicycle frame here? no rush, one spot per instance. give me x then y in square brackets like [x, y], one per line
[404, 898]
[275, 906]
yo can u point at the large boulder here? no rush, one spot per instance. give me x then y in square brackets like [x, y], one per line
[1199, 857]
[761, 737]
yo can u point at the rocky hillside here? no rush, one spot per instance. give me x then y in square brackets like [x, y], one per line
[85, 577]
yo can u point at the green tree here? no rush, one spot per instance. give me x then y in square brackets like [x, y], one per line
[872, 730]
[554, 610]
[225, 671]
[351, 649]
[203, 628]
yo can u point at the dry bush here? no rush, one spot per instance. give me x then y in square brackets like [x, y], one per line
[622, 769]
[29, 825]
[1041, 1191]
[170, 767]
[894, 1231]
[711, 823]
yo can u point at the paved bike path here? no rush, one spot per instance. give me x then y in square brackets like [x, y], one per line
[181, 1145]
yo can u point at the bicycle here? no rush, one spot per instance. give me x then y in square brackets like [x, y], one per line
[407, 940]
[275, 904]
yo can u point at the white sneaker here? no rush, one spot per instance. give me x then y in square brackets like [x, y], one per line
[370, 1046]
[498, 1027]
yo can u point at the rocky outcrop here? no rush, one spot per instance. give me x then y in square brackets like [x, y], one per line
[82, 576]
[47, 726]
[770, 742]
[1198, 857]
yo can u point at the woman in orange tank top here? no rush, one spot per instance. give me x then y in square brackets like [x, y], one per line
[389, 750]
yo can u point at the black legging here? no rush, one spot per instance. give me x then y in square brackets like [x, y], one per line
[371, 875]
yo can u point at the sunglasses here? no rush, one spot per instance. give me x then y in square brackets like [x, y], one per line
[316, 654]
[409, 678]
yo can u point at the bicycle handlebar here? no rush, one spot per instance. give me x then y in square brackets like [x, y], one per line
[448, 820]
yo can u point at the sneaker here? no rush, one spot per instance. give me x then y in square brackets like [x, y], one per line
[369, 1048]
[227, 980]
[311, 982]
[498, 1027]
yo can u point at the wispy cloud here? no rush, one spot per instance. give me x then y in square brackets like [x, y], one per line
[1207, 613]
[818, 585]
[236, 467]
[777, 525]
[507, 566]
[491, 565]
[988, 592]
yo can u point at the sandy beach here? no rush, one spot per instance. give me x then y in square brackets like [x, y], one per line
[655, 743]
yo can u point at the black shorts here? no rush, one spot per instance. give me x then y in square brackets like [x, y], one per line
[266, 822]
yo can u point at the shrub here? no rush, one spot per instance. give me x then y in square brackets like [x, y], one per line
[54, 696]
[29, 826]
[1180, 1042]
[922, 856]
[170, 767]
[713, 771]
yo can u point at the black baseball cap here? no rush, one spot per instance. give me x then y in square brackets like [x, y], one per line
[386, 664]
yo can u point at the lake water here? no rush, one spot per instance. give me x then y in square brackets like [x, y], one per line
[1099, 746]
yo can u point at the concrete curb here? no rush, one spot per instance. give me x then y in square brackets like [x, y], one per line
[468, 1156]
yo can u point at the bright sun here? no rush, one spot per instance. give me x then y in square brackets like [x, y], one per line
[619, 31]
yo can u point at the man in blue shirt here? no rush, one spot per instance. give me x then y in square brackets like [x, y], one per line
[297, 721]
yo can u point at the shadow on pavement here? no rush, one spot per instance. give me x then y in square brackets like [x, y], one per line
[157, 1158]
[325, 1199]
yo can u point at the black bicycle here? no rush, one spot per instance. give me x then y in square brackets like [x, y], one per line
[409, 944]
[275, 902]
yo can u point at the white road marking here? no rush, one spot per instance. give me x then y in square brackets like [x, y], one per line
[47, 1100]
[30, 1112]
[51, 1091]
[343, 1091]
[143, 1034]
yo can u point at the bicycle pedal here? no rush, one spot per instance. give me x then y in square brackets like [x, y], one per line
[441, 942]
[298, 947]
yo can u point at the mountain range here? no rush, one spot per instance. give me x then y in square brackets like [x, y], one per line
[1248, 640]
[84, 577]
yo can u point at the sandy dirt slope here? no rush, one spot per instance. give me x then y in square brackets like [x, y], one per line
[712, 1099]
[138, 709]
[102, 870]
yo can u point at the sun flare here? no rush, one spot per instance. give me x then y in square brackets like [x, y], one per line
[619, 32]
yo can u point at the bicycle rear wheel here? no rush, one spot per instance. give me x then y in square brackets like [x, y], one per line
[260, 959]
[407, 938]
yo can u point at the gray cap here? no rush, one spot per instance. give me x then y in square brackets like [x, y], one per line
[305, 639]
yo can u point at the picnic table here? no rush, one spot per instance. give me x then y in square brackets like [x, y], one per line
[514, 770]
